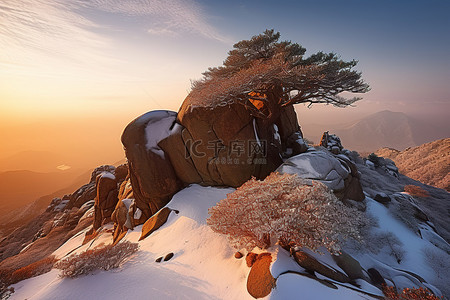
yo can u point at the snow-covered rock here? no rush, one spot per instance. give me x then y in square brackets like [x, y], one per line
[317, 165]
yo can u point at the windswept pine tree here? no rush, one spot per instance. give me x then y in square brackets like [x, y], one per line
[265, 74]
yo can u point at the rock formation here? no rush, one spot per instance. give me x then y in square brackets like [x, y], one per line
[106, 199]
[220, 146]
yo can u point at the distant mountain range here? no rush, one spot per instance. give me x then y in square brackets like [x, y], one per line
[428, 163]
[28, 193]
[382, 129]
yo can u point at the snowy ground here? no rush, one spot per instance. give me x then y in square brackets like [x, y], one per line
[203, 266]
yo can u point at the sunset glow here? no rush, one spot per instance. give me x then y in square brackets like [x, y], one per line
[106, 62]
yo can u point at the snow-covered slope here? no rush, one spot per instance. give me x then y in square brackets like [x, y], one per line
[204, 267]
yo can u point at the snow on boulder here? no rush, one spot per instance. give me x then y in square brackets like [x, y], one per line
[152, 176]
[317, 165]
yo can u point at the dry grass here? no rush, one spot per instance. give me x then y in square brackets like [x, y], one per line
[8, 277]
[416, 191]
[100, 258]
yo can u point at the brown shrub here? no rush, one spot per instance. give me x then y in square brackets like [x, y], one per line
[409, 294]
[416, 191]
[37, 268]
[284, 208]
[8, 277]
[104, 258]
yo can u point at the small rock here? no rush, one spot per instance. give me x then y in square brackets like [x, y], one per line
[168, 256]
[238, 255]
[311, 264]
[382, 198]
[350, 265]
[250, 259]
[156, 221]
[159, 259]
[376, 277]
[260, 281]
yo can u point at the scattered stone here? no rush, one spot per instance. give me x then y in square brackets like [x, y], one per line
[376, 277]
[238, 255]
[168, 256]
[156, 221]
[260, 281]
[250, 259]
[350, 265]
[331, 142]
[382, 198]
[311, 264]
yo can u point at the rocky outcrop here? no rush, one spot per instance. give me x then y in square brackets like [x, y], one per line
[331, 142]
[151, 173]
[349, 265]
[220, 146]
[227, 145]
[106, 199]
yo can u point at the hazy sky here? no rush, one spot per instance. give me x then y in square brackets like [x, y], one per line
[112, 60]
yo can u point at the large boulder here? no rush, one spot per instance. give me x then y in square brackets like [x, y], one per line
[227, 145]
[151, 173]
[219, 146]
[337, 172]
[317, 165]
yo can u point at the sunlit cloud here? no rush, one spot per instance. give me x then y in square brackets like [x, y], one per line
[171, 17]
[44, 33]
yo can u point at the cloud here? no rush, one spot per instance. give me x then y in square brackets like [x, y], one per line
[39, 32]
[162, 31]
[176, 16]
[80, 32]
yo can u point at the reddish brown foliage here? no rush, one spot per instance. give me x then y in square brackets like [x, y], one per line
[416, 191]
[409, 294]
[284, 208]
[8, 277]
[37, 268]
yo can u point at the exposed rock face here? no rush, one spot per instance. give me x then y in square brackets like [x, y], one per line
[350, 265]
[106, 199]
[220, 143]
[223, 146]
[152, 176]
